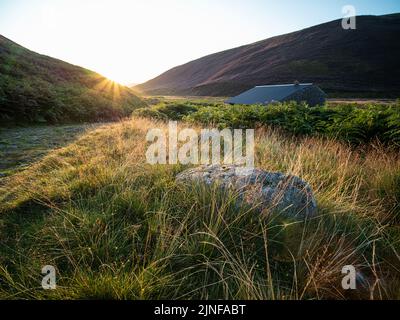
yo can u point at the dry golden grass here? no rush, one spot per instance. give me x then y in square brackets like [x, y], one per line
[116, 227]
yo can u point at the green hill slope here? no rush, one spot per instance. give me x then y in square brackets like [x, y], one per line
[37, 88]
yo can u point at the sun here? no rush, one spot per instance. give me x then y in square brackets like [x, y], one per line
[115, 78]
[116, 71]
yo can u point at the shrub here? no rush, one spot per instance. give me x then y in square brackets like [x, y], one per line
[351, 123]
[165, 111]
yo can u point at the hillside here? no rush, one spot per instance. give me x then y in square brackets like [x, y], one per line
[37, 88]
[357, 63]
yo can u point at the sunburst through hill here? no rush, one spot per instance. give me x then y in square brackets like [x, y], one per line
[37, 88]
[109, 86]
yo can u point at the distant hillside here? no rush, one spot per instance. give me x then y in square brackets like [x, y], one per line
[359, 63]
[37, 88]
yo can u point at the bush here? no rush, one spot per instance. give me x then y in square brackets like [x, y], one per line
[165, 111]
[352, 123]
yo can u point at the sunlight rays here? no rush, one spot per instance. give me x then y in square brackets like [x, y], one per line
[108, 85]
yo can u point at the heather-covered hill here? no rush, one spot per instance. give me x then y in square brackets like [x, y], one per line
[357, 63]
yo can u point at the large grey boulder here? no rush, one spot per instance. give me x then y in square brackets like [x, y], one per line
[267, 191]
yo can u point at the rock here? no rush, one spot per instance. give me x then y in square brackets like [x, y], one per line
[288, 195]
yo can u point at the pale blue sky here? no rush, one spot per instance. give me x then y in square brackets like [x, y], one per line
[135, 40]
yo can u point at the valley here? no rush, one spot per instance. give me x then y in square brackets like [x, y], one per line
[162, 191]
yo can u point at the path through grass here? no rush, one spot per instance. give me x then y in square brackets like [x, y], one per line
[21, 146]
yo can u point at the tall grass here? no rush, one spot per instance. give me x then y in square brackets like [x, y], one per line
[117, 228]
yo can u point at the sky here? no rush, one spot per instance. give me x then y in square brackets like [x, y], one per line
[132, 41]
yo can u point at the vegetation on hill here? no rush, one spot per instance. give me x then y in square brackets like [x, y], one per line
[345, 63]
[352, 123]
[36, 88]
[117, 228]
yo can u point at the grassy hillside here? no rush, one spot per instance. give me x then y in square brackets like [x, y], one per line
[37, 88]
[118, 228]
[352, 63]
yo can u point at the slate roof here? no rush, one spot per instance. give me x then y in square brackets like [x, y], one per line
[268, 94]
